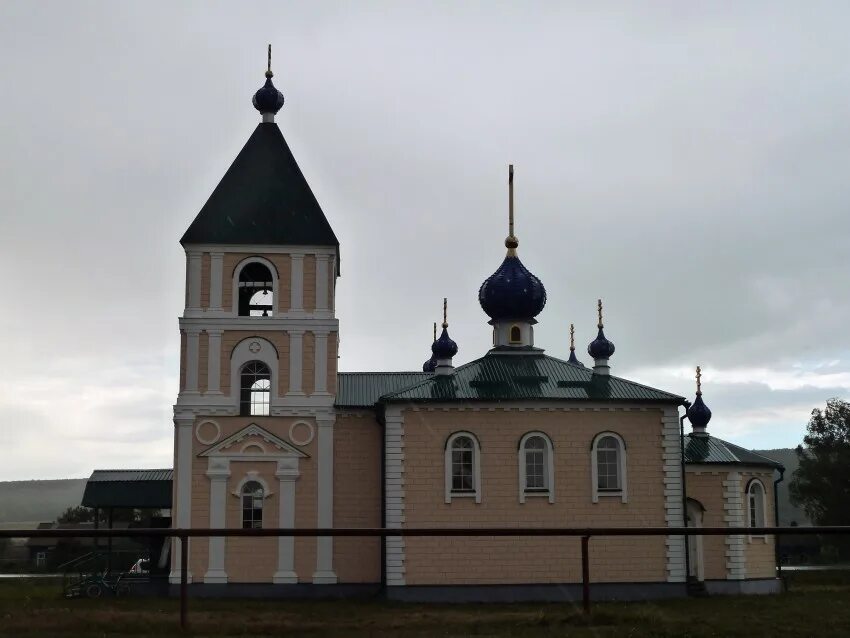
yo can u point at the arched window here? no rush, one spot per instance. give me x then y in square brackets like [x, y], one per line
[252, 505]
[516, 335]
[255, 389]
[756, 504]
[536, 472]
[463, 473]
[608, 466]
[256, 290]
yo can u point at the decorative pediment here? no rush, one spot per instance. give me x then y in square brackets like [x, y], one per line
[253, 442]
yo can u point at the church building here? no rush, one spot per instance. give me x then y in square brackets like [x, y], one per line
[268, 433]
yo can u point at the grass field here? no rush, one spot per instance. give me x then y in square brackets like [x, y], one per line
[817, 603]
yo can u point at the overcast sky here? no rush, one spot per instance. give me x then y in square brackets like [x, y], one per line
[686, 164]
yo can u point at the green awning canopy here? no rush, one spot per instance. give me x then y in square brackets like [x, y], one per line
[129, 489]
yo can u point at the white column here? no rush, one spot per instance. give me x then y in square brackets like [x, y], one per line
[394, 485]
[194, 281]
[296, 299]
[214, 361]
[322, 283]
[182, 496]
[320, 364]
[287, 473]
[296, 361]
[216, 280]
[218, 473]
[325, 574]
[332, 286]
[192, 342]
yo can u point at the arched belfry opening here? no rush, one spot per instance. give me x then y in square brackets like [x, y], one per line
[256, 290]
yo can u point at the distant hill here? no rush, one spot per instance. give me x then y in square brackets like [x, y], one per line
[787, 512]
[38, 500]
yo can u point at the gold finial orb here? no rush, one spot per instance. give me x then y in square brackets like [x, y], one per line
[572, 338]
[599, 312]
[269, 73]
[699, 381]
[445, 306]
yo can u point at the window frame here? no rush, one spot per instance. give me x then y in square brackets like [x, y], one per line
[622, 492]
[475, 493]
[548, 468]
[511, 340]
[748, 495]
[250, 403]
[242, 495]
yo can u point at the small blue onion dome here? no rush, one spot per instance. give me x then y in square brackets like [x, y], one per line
[430, 365]
[512, 292]
[444, 347]
[268, 99]
[698, 414]
[574, 359]
[600, 348]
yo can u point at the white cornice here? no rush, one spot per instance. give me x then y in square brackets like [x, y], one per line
[306, 323]
[260, 249]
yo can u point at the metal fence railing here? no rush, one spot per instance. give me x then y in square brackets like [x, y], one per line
[585, 533]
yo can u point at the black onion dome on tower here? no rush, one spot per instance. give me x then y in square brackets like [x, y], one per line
[698, 414]
[601, 347]
[268, 99]
[512, 292]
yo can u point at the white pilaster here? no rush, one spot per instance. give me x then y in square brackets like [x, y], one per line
[332, 286]
[322, 282]
[182, 510]
[673, 512]
[216, 280]
[296, 300]
[287, 473]
[218, 472]
[320, 364]
[193, 302]
[192, 345]
[325, 574]
[394, 488]
[733, 505]
[214, 361]
[296, 361]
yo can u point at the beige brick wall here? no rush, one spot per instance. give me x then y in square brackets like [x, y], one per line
[706, 487]
[760, 552]
[517, 560]
[205, 280]
[283, 265]
[279, 339]
[309, 283]
[357, 495]
[254, 559]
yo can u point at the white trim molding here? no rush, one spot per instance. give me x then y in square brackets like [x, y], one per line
[476, 467]
[548, 468]
[307, 439]
[394, 493]
[287, 473]
[193, 281]
[324, 574]
[733, 505]
[193, 337]
[218, 471]
[674, 515]
[622, 492]
[213, 361]
[182, 505]
[246, 351]
[212, 439]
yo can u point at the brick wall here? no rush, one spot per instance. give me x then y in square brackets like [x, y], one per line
[524, 560]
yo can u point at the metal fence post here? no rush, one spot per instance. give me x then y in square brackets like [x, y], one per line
[585, 573]
[184, 582]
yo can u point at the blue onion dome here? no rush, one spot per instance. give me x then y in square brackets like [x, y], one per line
[268, 99]
[512, 292]
[444, 347]
[600, 348]
[573, 359]
[431, 364]
[698, 414]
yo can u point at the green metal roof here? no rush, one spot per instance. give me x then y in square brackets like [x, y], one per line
[129, 488]
[363, 389]
[499, 376]
[711, 450]
[263, 198]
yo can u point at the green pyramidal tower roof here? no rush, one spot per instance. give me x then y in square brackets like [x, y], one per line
[262, 199]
